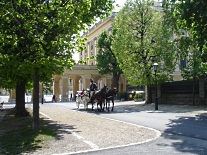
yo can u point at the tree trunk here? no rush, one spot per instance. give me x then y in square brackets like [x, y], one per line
[35, 124]
[149, 95]
[20, 100]
[116, 80]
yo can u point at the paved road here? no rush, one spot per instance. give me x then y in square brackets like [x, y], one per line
[183, 128]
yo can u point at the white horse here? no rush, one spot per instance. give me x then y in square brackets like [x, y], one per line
[82, 100]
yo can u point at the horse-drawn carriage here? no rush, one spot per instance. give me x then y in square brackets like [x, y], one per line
[100, 97]
[83, 99]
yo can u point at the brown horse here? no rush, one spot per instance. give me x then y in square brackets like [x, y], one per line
[110, 94]
[99, 96]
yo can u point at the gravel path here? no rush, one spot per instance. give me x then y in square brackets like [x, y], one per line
[79, 132]
[82, 132]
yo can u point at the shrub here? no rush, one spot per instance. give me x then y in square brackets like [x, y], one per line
[138, 96]
[121, 95]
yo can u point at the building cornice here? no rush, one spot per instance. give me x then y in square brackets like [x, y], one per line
[100, 23]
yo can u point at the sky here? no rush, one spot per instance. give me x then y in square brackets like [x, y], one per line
[121, 3]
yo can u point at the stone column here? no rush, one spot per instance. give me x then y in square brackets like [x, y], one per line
[87, 83]
[56, 90]
[12, 96]
[75, 87]
[108, 82]
[64, 89]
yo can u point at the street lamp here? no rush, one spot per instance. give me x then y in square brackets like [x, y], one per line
[42, 93]
[155, 66]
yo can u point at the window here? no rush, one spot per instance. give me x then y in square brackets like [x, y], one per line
[182, 62]
[183, 32]
[91, 45]
[109, 30]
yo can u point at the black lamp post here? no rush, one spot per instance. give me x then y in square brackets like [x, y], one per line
[42, 93]
[155, 65]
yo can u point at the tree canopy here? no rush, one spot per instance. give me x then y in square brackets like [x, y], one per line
[106, 60]
[141, 39]
[43, 35]
[189, 16]
[39, 37]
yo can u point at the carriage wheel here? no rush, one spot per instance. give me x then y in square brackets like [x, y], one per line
[77, 103]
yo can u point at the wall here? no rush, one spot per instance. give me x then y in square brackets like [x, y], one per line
[183, 95]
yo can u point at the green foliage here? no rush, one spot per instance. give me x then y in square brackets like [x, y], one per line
[141, 39]
[138, 96]
[121, 95]
[186, 49]
[47, 86]
[38, 39]
[190, 16]
[106, 60]
[43, 36]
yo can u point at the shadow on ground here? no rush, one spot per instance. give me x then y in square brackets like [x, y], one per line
[17, 135]
[188, 134]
